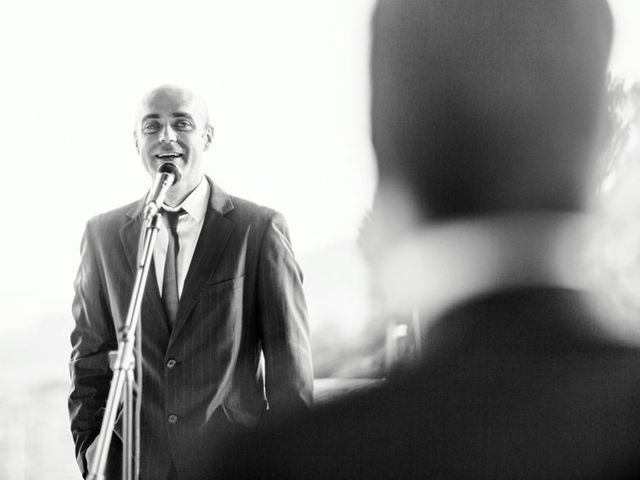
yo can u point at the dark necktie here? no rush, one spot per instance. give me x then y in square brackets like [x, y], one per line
[170, 278]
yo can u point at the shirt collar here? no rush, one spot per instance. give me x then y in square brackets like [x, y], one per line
[196, 202]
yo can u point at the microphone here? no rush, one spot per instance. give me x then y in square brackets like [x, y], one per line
[168, 174]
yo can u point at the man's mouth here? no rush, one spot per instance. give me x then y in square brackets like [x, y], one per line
[168, 155]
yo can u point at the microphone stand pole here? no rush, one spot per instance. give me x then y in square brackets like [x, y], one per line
[123, 364]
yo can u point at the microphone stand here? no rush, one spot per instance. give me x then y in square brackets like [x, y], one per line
[123, 362]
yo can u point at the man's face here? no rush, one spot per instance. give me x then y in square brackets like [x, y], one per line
[172, 126]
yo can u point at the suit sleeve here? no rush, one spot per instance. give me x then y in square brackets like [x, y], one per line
[91, 340]
[283, 322]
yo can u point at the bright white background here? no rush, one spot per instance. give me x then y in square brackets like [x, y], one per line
[286, 83]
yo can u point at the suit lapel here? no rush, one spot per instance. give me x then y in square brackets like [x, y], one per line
[214, 236]
[130, 236]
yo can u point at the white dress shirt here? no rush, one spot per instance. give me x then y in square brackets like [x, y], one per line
[189, 227]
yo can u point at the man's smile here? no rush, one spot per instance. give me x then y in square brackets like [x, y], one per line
[168, 155]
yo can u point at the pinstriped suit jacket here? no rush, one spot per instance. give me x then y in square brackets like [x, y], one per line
[242, 299]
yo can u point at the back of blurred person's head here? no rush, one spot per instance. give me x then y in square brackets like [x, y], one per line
[489, 106]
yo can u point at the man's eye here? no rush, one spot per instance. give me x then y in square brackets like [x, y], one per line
[183, 124]
[150, 127]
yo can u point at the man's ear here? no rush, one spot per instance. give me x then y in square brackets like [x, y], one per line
[135, 140]
[208, 134]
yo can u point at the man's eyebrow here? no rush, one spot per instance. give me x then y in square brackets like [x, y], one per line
[150, 115]
[173, 115]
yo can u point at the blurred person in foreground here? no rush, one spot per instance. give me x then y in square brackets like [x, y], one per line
[487, 121]
[233, 342]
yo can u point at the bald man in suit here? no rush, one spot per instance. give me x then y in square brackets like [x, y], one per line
[233, 343]
[487, 120]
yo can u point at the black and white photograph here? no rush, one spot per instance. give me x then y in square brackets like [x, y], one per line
[362, 239]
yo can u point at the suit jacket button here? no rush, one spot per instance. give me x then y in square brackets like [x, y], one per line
[171, 363]
[172, 418]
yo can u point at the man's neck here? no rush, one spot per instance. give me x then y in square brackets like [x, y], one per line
[178, 193]
[448, 263]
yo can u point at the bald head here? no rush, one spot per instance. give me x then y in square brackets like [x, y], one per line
[166, 96]
[491, 105]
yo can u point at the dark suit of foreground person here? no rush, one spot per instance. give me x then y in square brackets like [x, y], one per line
[486, 119]
[242, 297]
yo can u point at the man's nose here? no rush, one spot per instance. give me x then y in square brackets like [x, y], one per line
[168, 134]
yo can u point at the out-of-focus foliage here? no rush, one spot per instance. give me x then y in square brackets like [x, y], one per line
[623, 107]
[615, 250]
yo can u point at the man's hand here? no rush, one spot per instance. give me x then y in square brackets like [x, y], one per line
[91, 454]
